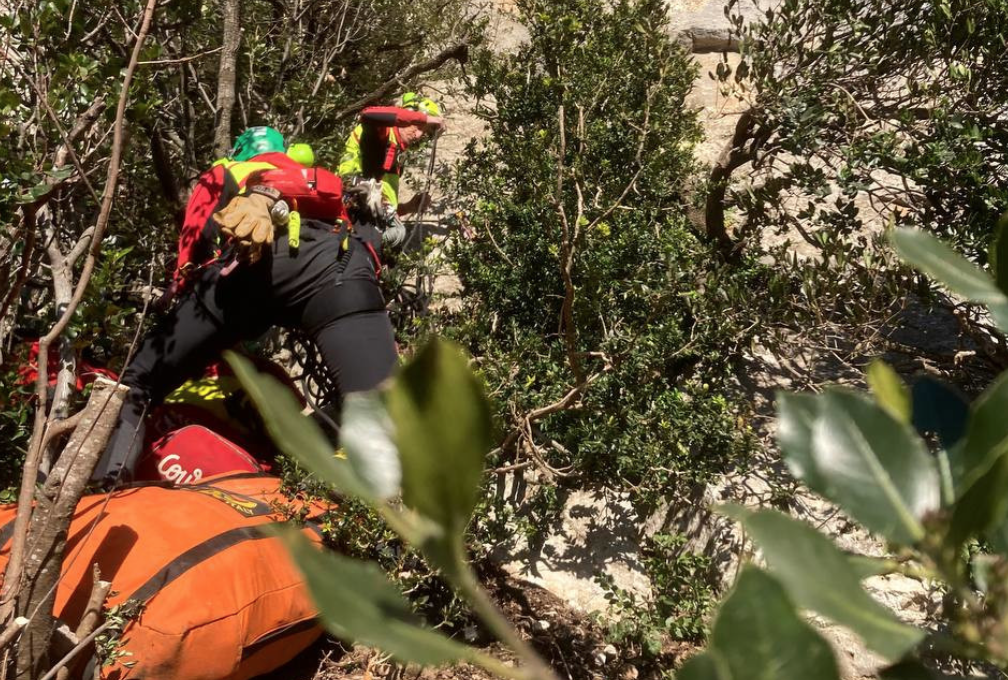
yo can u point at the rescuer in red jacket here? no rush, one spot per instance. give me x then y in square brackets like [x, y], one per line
[251, 260]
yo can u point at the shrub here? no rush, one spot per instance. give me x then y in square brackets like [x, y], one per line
[896, 103]
[593, 311]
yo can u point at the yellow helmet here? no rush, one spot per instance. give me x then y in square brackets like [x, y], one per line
[411, 100]
[302, 153]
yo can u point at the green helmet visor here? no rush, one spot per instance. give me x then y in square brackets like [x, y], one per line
[257, 140]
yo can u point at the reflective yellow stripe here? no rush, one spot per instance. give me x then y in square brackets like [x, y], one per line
[294, 230]
[201, 390]
[240, 170]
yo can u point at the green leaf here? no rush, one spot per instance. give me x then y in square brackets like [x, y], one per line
[804, 560]
[890, 392]
[930, 255]
[986, 435]
[980, 467]
[796, 413]
[61, 173]
[443, 433]
[875, 468]
[866, 567]
[358, 603]
[998, 254]
[761, 637]
[296, 435]
[704, 666]
[938, 409]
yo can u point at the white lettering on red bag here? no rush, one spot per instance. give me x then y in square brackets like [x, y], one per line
[177, 474]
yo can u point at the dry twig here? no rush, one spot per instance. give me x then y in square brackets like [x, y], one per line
[13, 576]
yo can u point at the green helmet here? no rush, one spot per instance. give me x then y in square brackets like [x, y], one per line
[411, 100]
[257, 140]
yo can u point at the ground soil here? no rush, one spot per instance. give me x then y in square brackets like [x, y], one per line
[571, 642]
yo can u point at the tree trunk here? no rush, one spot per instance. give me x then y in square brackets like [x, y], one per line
[56, 502]
[162, 165]
[63, 287]
[739, 150]
[230, 10]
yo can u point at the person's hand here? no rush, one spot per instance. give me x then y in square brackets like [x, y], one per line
[435, 125]
[247, 221]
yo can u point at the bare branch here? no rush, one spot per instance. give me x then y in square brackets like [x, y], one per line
[181, 60]
[28, 227]
[13, 576]
[567, 260]
[459, 53]
[226, 76]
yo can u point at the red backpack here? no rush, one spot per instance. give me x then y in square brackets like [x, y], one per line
[315, 193]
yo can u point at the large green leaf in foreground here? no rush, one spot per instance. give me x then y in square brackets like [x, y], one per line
[760, 636]
[857, 455]
[927, 253]
[443, 427]
[296, 435]
[980, 467]
[889, 391]
[358, 603]
[819, 577]
[704, 666]
[796, 415]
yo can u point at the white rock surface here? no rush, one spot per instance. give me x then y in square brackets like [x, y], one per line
[597, 534]
[703, 26]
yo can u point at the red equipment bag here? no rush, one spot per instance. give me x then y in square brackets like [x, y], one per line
[191, 454]
[316, 193]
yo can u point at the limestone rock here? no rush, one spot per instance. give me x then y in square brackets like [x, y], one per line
[706, 28]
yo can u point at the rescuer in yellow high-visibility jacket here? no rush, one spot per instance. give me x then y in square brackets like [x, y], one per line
[375, 148]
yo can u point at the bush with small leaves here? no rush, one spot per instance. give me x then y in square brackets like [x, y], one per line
[861, 105]
[606, 330]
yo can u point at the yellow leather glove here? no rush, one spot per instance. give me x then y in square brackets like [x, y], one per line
[247, 221]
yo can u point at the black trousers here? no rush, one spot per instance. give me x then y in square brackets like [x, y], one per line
[345, 318]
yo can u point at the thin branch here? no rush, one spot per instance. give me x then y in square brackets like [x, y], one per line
[180, 60]
[12, 580]
[77, 650]
[561, 404]
[12, 630]
[459, 53]
[61, 427]
[567, 260]
[28, 216]
[66, 137]
[80, 247]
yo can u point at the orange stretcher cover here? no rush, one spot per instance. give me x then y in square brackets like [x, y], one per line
[221, 599]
